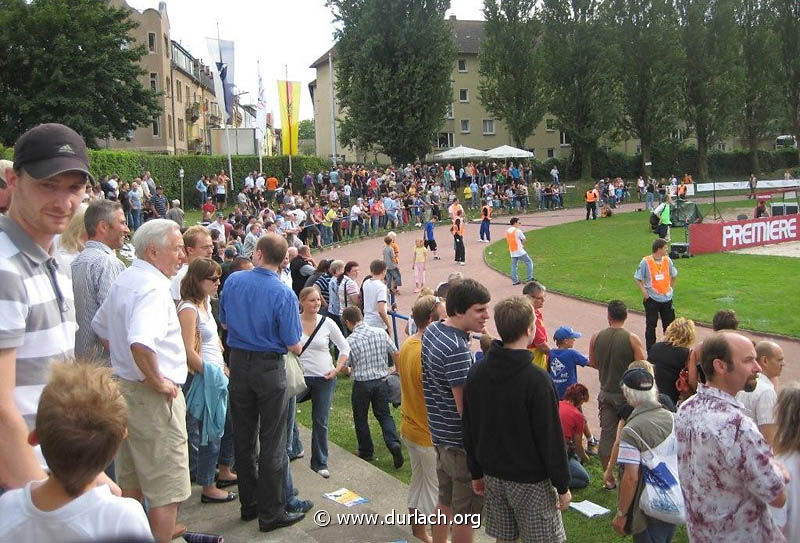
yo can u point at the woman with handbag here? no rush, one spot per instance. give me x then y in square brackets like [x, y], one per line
[320, 373]
[204, 357]
[670, 357]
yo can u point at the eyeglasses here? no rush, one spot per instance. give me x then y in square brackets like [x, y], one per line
[214, 279]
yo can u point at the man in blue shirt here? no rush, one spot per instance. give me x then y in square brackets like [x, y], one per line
[262, 317]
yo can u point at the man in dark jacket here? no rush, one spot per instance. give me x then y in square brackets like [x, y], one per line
[301, 267]
[515, 446]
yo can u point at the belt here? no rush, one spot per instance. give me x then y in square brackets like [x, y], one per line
[268, 355]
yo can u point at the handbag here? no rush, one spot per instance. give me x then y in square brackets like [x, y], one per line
[661, 497]
[295, 380]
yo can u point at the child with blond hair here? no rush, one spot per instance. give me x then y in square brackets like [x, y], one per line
[420, 260]
[81, 421]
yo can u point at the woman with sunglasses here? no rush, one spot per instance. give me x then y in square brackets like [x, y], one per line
[204, 357]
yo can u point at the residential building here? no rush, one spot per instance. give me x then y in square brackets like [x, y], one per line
[188, 105]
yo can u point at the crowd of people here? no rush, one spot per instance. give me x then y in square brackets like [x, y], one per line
[185, 368]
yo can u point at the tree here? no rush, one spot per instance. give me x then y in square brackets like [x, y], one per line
[393, 64]
[713, 77]
[71, 61]
[306, 129]
[788, 28]
[645, 33]
[584, 94]
[511, 85]
[760, 62]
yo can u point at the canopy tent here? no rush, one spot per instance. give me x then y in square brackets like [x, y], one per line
[506, 151]
[460, 152]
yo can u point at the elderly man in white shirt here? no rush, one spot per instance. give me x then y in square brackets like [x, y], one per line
[139, 323]
[759, 404]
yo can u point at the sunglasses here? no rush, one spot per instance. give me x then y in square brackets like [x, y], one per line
[214, 279]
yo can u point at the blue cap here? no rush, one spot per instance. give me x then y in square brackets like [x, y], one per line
[565, 332]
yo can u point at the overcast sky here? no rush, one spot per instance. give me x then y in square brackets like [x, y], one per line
[276, 33]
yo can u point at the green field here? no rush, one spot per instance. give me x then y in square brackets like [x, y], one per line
[578, 527]
[596, 260]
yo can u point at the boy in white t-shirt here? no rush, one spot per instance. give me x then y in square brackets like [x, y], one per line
[81, 421]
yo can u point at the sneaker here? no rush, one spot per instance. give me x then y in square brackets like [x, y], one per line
[515, 283]
[324, 473]
[299, 506]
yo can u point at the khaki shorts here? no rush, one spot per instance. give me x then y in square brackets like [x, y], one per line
[608, 405]
[455, 482]
[154, 458]
[423, 487]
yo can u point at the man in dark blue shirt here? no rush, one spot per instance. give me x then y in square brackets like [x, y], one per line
[263, 322]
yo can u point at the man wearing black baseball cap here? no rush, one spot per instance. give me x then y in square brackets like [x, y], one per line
[37, 326]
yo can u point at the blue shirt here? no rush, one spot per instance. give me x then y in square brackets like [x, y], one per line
[563, 368]
[429, 230]
[260, 312]
[446, 360]
[643, 274]
[474, 188]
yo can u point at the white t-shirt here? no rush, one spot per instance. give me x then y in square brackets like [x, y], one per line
[175, 287]
[210, 350]
[97, 514]
[248, 182]
[260, 182]
[787, 518]
[374, 292]
[316, 360]
[759, 405]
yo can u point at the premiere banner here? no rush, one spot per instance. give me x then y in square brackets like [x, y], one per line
[289, 100]
[733, 235]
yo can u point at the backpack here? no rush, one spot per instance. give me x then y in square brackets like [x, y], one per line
[654, 220]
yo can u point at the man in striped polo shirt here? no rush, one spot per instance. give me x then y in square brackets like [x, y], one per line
[37, 313]
[446, 360]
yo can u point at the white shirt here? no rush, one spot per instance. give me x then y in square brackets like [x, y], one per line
[248, 182]
[316, 360]
[260, 182]
[218, 227]
[94, 515]
[286, 276]
[759, 405]
[375, 291]
[175, 285]
[140, 309]
[787, 518]
[210, 350]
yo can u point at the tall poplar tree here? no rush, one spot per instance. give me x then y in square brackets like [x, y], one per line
[393, 63]
[511, 66]
[648, 65]
[580, 77]
[788, 29]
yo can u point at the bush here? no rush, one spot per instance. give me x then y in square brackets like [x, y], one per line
[164, 168]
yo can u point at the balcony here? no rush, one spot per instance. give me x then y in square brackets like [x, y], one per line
[193, 112]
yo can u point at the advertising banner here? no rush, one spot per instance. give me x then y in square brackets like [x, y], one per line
[733, 235]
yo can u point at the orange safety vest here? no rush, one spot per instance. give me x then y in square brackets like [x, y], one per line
[591, 196]
[458, 228]
[486, 212]
[660, 279]
[511, 239]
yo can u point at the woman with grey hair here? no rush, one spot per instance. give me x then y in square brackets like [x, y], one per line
[648, 426]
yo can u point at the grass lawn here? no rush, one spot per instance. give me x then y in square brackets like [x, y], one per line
[596, 260]
[578, 527]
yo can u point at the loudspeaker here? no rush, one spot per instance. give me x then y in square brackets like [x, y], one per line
[679, 250]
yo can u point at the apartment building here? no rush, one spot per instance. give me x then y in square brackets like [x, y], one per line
[188, 105]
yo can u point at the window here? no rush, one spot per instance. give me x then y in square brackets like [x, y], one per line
[462, 65]
[169, 87]
[154, 81]
[463, 95]
[550, 124]
[450, 113]
[564, 139]
[151, 41]
[444, 140]
[551, 153]
[166, 46]
[179, 92]
[188, 95]
[169, 126]
[677, 135]
[157, 127]
[180, 130]
[488, 126]
[465, 126]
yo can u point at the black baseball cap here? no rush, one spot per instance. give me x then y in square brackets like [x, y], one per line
[638, 379]
[50, 149]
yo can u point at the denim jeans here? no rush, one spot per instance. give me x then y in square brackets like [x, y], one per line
[327, 235]
[293, 444]
[657, 531]
[515, 263]
[375, 392]
[214, 452]
[137, 218]
[320, 392]
[485, 234]
[578, 476]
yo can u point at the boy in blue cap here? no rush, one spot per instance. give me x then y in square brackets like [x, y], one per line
[564, 360]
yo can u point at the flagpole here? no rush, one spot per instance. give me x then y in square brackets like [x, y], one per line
[227, 137]
[289, 114]
[260, 130]
[333, 114]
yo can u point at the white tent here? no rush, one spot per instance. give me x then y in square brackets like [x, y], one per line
[506, 151]
[460, 152]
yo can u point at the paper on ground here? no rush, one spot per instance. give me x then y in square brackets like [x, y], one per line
[590, 509]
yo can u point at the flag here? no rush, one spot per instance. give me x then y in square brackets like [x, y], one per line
[261, 109]
[289, 96]
[221, 52]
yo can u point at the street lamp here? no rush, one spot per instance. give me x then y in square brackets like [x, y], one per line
[180, 174]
